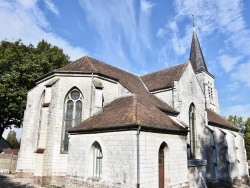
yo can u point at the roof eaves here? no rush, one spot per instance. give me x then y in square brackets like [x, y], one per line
[169, 112]
[205, 72]
[73, 72]
[162, 88]
[222, 126]
[126, 127]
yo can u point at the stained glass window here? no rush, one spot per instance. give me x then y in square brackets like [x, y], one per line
[97, 171]
[73, 114]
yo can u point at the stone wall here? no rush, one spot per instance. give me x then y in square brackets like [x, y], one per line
[8, 163]
[45, 132]
[229, 166]
[118, 163]
[120, 159]
[175, 160]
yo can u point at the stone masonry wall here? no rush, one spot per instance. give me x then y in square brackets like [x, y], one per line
[230, 160]
[26, 159]
[53, 162]
[175, 159]
[118, 163]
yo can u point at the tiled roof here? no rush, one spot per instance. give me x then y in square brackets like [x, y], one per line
[11, 151]
[131, 82]
[4, 144]
[164, 78]
[216, 119]
[126, 112]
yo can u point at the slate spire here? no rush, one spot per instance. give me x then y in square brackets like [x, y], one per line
[196, 57]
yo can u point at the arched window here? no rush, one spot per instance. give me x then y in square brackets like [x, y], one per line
[192, 130]
[96, 157]
[73, 114]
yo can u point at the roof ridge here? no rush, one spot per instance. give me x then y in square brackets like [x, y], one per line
[175, 66]
[88, 61]
[102, 62]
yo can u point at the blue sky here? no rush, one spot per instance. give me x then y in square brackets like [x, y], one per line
[143, 36]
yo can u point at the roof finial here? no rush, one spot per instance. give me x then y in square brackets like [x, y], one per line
[193, 20]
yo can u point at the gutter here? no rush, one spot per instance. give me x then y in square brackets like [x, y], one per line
[138, 156]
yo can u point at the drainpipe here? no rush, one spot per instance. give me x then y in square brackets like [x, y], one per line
[91, 93]
[173, 96]
[138, 156]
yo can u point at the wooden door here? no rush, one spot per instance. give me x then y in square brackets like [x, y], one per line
[161, 168]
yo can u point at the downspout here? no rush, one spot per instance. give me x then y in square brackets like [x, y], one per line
[173, 96]
[138, 156]
[91, 95]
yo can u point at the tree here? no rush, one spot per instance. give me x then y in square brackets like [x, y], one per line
[237, 121]
[12, 140]
[247, 137]
[20, 65]
[247, 128]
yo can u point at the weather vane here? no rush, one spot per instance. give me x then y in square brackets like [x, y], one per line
[193, 20]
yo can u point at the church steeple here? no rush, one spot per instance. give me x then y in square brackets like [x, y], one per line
[196, 56]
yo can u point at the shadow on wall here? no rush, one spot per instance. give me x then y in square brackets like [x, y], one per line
[216, 153]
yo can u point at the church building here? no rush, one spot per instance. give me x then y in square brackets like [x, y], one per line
[91, 124]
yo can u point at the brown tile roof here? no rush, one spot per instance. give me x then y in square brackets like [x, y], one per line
[164, 78]
[11, 151]
[131, 82]
[129, 112]
[217, 120]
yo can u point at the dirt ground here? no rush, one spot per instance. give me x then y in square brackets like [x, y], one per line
[9, 181]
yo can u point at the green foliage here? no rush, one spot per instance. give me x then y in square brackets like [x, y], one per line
[238, 121]
[12, 140]
[247, 128]
[247, 145]
[20, 65]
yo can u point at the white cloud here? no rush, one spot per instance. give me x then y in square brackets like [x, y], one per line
[51, 6]
[116, 24]
[228, 62]
[160, 33]
[224, 18]
[238, 110]
[28, 4]
[224, 15]
[24, 20]
[146, 6]
[233, 86]
[233, 98]
[242, 73]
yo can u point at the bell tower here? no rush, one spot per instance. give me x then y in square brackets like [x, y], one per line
[205, 78]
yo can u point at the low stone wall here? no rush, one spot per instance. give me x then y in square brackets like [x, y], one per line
[8, 163]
